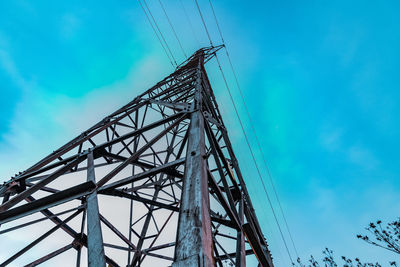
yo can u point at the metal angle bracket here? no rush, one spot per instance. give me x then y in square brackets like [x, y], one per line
[210, 118]
[15, 186]
[177, 106]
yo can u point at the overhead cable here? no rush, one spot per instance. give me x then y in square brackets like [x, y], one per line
[190, 23]
[254, 160]
[158, 28]
[172, 28]
[253, 129]
[155, 32]
[204, 23]
[246, 138]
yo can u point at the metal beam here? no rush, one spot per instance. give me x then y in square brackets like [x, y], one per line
[255, 244]
[117, 232]
[38, 220]
[21, 196]
[240, 244]
[194, 244]
[231, 255]
[136, 155]
[142, 175]
[119, 193]
[39, 239]
[95, 238]
[49, 256]
[223, 201]
[80, 238]
[47, 202]
[138, 255]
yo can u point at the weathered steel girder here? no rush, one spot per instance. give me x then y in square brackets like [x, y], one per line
[156, 183]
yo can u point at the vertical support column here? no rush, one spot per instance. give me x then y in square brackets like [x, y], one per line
[194, 246]
[95, 239]
[134, 149]
[240, 246]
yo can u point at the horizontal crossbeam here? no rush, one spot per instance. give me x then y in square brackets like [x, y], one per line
[47, 202]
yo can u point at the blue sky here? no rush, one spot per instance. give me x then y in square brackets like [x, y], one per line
[321, 79]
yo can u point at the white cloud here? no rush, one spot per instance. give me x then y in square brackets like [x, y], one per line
[9, 66]
[44, 121]
[102, 101]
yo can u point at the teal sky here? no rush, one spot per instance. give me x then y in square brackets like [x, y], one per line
[321, 80]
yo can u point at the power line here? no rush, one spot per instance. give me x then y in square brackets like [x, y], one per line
[245, 135]
[197, 41]
[190, 23]
[254, 160]
[155, 32]
[271, 233]
[204, 23]
[216, 21]
[231, 97]
[172, 28]
[158, 28]
[253, 128]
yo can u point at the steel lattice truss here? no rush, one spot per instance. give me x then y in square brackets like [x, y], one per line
[155, 183]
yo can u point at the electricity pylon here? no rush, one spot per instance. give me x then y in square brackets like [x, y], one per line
[155, 183]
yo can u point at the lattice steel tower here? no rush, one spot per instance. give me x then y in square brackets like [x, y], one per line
[155, 183]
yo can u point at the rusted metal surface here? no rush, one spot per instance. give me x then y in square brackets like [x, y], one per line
[194, 239]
